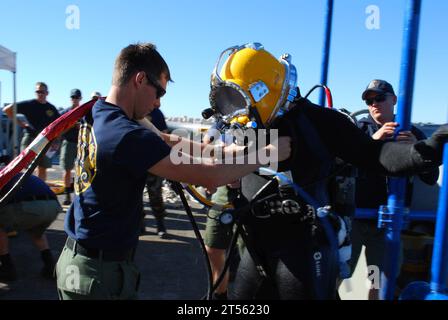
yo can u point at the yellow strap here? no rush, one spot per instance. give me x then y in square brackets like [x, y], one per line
[219, 207]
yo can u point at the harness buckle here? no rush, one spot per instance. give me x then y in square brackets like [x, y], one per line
[290, 206]
[275, 206]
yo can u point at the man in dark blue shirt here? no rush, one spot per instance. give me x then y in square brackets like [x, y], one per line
[114, 157]
[39, 113]
[32, 208]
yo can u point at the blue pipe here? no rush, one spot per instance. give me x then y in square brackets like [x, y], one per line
[326, 50]
[414, 215]
[437, 289]
[439, 267]
[398, 185]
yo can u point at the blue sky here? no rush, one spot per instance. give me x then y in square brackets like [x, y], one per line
[191, 34]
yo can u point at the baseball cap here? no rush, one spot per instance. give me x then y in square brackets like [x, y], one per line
[75, 93]
[378, 86]
[95, 94]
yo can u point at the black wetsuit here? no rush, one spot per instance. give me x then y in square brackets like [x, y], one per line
[283, 245]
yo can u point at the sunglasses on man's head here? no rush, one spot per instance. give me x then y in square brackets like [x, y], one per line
[41, 91]
[160, 92]
[378, 98]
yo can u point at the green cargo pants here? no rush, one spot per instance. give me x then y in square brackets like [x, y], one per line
[84, 278]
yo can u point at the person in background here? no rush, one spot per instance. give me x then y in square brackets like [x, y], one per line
[154, 183]
[32, 209]
[39, 113]
[218, 238]
[371, 187]
[69, 148]
[95, 95]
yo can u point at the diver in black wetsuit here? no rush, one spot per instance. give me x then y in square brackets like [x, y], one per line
[289, 256]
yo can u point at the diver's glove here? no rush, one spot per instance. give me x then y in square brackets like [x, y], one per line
[404, 159]
[438, 140]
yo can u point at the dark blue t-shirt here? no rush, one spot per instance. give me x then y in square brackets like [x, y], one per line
[158, 119]
[39, 115]
[33, 186]
[72, 134]
[114, 155]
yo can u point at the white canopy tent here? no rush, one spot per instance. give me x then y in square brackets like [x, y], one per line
[8, 62]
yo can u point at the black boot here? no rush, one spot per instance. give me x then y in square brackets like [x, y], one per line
[67, 200]
[48, 269]
[161, 229]
[8, 271]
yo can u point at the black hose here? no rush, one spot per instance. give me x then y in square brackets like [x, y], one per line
[314, 88]
[178, 189]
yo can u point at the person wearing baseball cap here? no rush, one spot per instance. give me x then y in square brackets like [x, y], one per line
[95, 95]
[378, 86]
[75, 94]
[39, 114]
[380, 98]
[371, 188]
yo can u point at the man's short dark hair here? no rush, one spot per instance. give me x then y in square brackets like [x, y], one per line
[139, 57]
[42, 84]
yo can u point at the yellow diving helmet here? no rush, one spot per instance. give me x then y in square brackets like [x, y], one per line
[252, 84]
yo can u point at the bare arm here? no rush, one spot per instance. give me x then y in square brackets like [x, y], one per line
[8, 110]
[172, 139]
[211, 174]
[206, 174]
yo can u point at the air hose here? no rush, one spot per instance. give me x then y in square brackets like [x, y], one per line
[178, 189]
[327, 93]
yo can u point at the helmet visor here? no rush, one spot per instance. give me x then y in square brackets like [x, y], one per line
[228, 100]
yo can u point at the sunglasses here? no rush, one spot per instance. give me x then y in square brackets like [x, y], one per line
[378, 98]
[41, 91]
[160, 92]
[75, 97]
